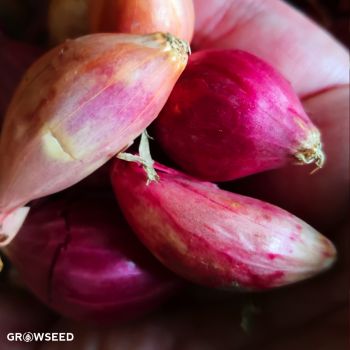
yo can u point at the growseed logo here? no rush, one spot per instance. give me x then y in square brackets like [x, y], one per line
[29, 337]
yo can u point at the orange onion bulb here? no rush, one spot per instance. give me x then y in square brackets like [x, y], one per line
[142, 17]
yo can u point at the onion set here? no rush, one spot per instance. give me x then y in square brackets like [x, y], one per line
[75, 108]
[240, 117]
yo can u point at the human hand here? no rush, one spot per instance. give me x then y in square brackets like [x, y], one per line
[309, 313]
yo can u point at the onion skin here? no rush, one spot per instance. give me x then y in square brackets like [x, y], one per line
[217, 238]
[231, 115]
[91, 266]
[78, 106]
[142, 17]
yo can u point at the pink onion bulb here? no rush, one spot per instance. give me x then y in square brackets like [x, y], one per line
[78, 256]
[231, 115]
[214, 237]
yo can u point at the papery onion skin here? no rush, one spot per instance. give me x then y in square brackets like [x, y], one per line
[231, 115]
[142, 17]
[218, 238]
[78, 255]
[78, 106]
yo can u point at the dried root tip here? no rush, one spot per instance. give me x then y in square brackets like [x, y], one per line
[143, 158]
[151, 173]
[179, 49]
[177, 44]
[311, 155]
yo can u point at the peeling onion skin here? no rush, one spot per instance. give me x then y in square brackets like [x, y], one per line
[142, 17]
[78, 106]
[91, 266]
[214, 237]
[231, 115]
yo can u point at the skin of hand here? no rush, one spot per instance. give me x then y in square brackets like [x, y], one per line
[312, 313]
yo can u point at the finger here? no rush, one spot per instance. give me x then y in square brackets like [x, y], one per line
[304, 53]
[322, 198]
